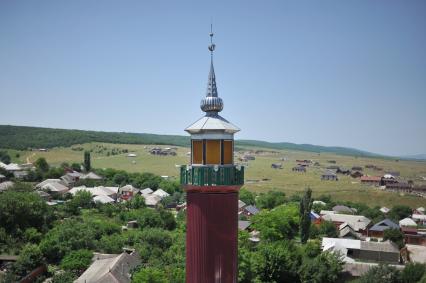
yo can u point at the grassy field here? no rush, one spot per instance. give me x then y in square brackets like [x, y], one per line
[259, 174]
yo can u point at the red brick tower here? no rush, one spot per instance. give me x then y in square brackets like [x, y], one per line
[212, 182]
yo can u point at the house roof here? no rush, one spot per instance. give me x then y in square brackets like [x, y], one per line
[10, 166]
[343, 208]
[151, 200]
[55, 187]
[146, 191]
[103, 199]
[319, 202]
[420, 217]
[48, 181]
[407, 222]
[251, 209]
[91, 176]
[161, 193]
[243, 225]
[383, 225]
[241, 204]
[113, 269]
[128, 188]
[387, 246]
[6, 185]
[384, 209]
[212, 122]
[371, 178]
[357, 222]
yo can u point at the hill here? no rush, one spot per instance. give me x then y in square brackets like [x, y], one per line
[21, 138]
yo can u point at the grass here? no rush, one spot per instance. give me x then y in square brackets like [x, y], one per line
[347, 188]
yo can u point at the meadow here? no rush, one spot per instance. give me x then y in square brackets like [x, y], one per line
[259, 177]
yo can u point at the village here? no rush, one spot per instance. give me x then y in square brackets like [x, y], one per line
[357, 238]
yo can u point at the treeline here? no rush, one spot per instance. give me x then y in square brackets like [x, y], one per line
[22, 138]
[19, 137]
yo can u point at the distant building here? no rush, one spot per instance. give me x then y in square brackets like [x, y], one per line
[277, 165]
[250, 210]
[329, 176]
[111, 268]
[343, 209]
[371, 180]
[299, 169]
[377, 230]
[356, 174]
[344, 171]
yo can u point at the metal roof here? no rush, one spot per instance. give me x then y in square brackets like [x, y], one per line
[383, 225]
[212, 122]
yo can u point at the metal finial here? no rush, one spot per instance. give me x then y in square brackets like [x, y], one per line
[212, 46]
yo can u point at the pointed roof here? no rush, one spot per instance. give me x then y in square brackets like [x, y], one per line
[212, 122]
[383, 225]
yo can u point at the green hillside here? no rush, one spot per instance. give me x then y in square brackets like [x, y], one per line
[21, 138]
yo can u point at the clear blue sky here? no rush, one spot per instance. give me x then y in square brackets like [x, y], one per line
[346, 73]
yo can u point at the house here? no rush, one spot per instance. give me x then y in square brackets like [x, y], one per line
[329, 176]
[4, 186]
[384, 210]
[377, 230]
[407, 222]
[71, 178]
[91, 176]
[357, 250]
[127, 192]
[358, 223]
[343, 209]
[419, 191]
[315, 218]
[243, 225]
[97, 191]
[388, 179]
[250, 210]
[299, 169]
[393, 173]
[152, 200]
[161, 193]
[413, 236]
[371, 180]
[45, 196]
[277, 165]
[48, 181]
[398, 187]
[2, 178]
[146, 191]
[420, 219]
[356, 174]
[110, 268]
[103, 199]
[55, 188]
[419, 210]
[347, 232]
[343, 170]
[356, 168]
[241, 206]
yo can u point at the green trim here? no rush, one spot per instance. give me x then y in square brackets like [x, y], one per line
[207, 176]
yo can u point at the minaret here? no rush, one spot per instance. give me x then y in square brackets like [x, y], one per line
[212, 182]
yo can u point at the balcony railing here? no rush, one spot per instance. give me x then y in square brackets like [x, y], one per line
[221, 175]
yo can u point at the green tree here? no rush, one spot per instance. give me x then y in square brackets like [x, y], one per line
[394, 235]
[32, 235]
[150, 275]
[82, 199]
[41, 165]
[305, 218]
[87, 164]
[413, 272]
[247, 197]
[399, 212]
[276, 262]
[381, 274]
[76, 167]
[4, 157]
[64, 277]
[270, 199]
[278, 224]
[77, 261]
[325, 268]
[20, 210]
[328, 229]
[29, 258]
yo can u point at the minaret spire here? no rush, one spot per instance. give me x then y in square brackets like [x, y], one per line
[211, 104]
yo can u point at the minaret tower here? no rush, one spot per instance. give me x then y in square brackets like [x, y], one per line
[212, 182]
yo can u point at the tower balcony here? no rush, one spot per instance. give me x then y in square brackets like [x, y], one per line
[213, 175]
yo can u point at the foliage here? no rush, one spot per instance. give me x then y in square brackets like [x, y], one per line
[29, 258]
[399, 212]
[325, 268]
[4, 157]
[41, 165]
[381, 274]
[413, 272]
[247, 197]
[20, 210]
[394, 235]
[31, 235]
[77, 260]
[328, 229]
[277, 224]
[270, 199]
[305, 219]
[87, 164]
[150, 275]
[64, 277]
[82, 199]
